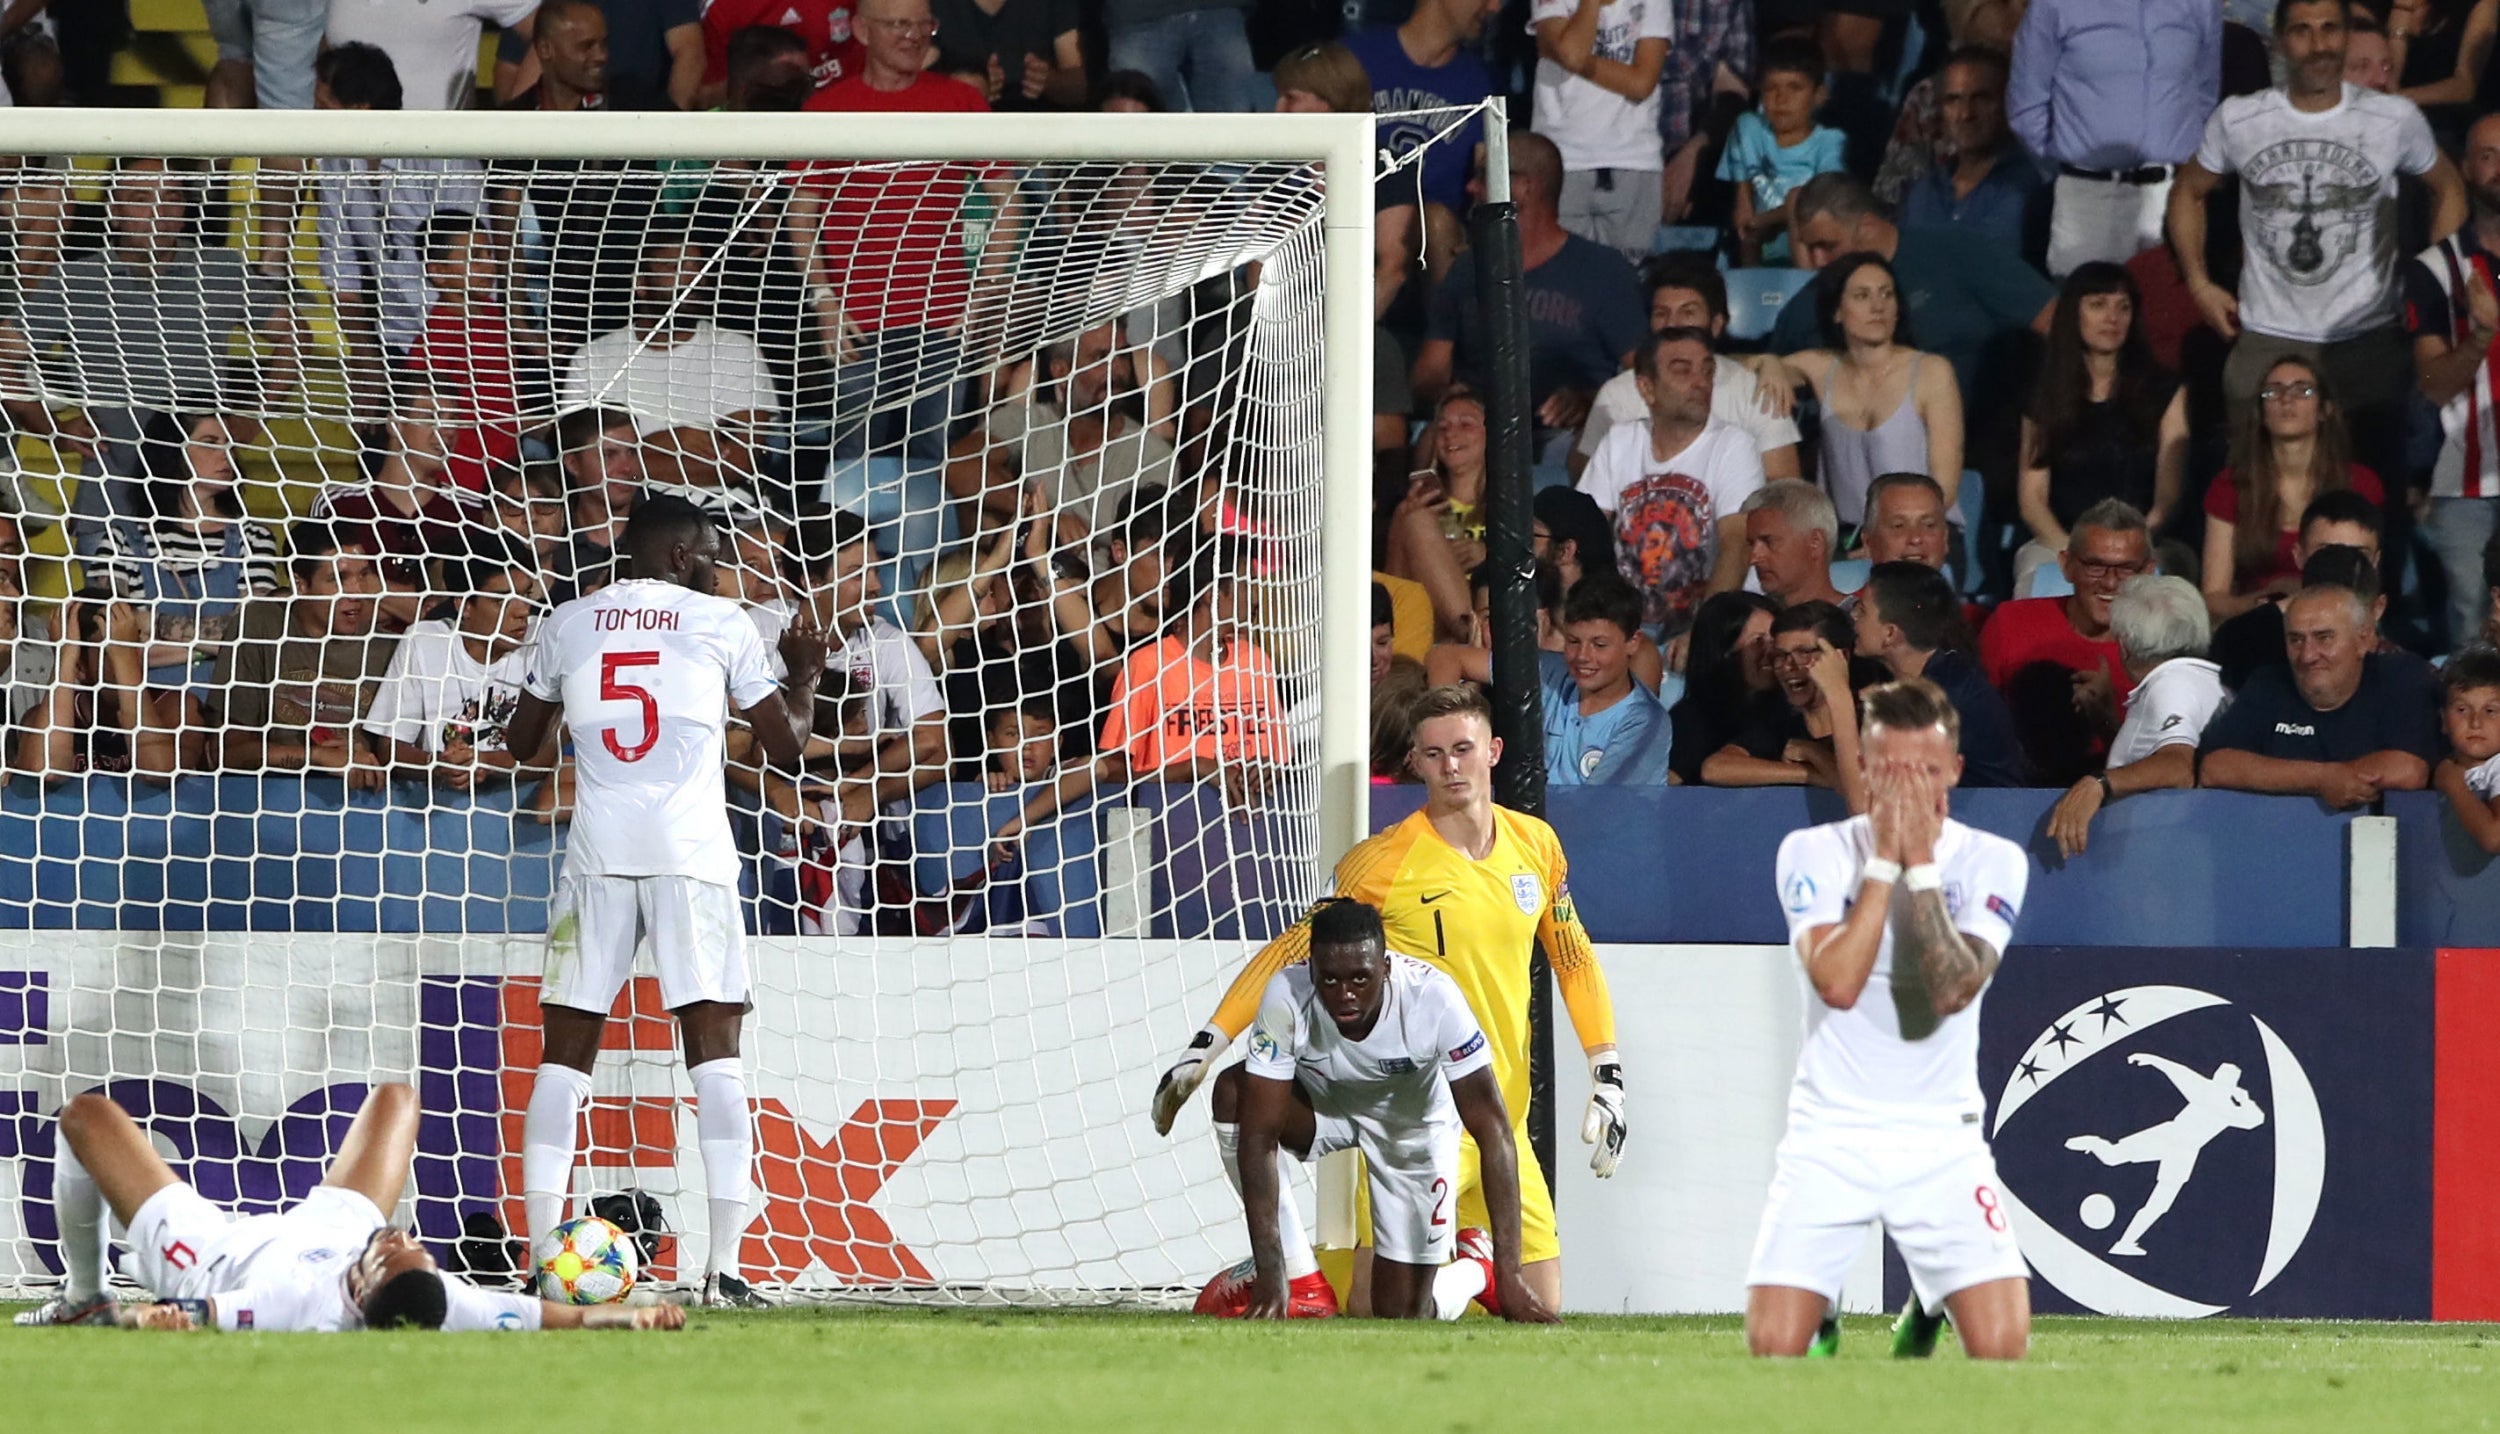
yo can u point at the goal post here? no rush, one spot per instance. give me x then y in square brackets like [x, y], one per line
[237, 947]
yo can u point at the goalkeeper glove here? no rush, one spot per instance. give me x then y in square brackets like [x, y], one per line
[1173, 1091]
[1603, 1125]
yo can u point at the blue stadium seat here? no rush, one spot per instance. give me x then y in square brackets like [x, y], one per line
[1849, 574]
[907, 514]
[1755, 298]
[1055, 879]
[1680, 238]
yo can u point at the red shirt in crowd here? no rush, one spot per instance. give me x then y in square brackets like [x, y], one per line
[893, 246]
[2034, 630]
[469, 346]
[833, 51]
[2222, 500]
[438, 529]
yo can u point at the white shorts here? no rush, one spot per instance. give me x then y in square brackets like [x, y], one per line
[1414, 1204]
[1939, 1199]
[698, 940]
[182, 1243]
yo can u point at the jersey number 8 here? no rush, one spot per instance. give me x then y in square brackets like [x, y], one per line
[612, 690]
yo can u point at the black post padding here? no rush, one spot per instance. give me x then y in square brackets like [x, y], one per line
[1510, 487]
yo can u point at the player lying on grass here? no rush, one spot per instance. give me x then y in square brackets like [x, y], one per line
[1898, 917]
[332, 1262]
[1362, 1049]
[1470, 889]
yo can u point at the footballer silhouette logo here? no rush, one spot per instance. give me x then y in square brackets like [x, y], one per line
[2162, 1151]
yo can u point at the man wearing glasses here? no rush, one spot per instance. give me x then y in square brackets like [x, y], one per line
[2056, 660]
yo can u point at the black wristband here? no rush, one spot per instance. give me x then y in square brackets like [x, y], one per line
[2108, 793]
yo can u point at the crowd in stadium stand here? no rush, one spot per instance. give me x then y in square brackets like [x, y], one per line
[2126, 369]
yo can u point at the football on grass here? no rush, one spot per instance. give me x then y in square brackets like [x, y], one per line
[586, 1262]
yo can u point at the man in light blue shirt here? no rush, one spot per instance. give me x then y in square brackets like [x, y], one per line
[2114, 93]
[1602, 728]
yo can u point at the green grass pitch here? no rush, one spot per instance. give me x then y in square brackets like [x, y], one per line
[1036, 1373]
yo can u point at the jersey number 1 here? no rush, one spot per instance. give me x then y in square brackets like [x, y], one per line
[612, 690]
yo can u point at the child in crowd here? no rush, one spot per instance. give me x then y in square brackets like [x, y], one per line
[467, 346]
[1775, 149]
[2470, 777]
[1601, 727]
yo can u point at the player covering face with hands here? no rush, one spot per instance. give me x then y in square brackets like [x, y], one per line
[332, 1262]
[1469, 889]
[1362, 1049]
[1898, 917]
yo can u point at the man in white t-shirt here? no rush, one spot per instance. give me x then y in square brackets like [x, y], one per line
[433, 45]
[1672, 484]
[699, 393]
[446, 704]
[646, 673]
[1900, 917]
[1363, 1049]
[2163, 629]
[1597, 100]
[1688, 293]
[331, 1262]
[2317, 161]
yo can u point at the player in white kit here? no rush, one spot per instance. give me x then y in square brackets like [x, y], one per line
[646, 673]
[1363, 1049]
[1899, 917]
[330, 1263]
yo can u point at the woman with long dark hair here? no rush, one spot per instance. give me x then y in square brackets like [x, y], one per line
[2441, 50]
[2106, 420]
[1727, 666]
[2289, 449]
[1887, 407]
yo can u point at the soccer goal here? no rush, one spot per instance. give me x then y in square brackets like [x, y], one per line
[1061, 426]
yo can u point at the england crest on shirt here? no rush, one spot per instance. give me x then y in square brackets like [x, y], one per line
[1528, 892]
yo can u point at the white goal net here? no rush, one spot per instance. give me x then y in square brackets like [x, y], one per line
[1062, 436]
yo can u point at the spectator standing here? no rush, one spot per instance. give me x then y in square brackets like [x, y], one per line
[2116, 96]
[455, 683]
[1197, 53]
[1686, 291]
[1701, 91]
[1673, 487]
[1431, 62]
[1582, 299]
[1596, 98]
[1727, 667]
[1906, 522]
[827, 29]
[2338, 546]
[2441, 53]
[265, 51]
[1804, 731]
[1020, 54]
[2339, 722]
[2057, 661]
[433, 46]
[1777, 147]
[1887, 407]
[1919, 140]
[569, 40]
[1910, 620]
[1993, 187]
[887, 280]
[2317, 161]
[294, 688]
[655, 53]
[2161, 626]
[2453, 313]
[467, 344]
[1791, 534]
[2105, 422]
[1602, 728]
[2290, 450]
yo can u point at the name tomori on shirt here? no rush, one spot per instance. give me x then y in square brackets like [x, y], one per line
[616, 619]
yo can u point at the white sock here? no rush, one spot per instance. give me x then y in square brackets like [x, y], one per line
[1300, 1258]
[547, 1134]
[80, 1208]
[726, 1129]
[1458, 1284]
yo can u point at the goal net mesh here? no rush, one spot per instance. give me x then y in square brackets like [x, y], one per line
[301, 453]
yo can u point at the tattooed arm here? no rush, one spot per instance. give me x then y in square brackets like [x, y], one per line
[1937, 970]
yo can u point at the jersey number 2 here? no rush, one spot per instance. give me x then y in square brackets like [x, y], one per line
[612, 690]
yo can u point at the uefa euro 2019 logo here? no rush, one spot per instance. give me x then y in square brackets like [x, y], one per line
[2135, 1137]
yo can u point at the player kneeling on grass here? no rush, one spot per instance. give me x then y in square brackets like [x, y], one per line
[332, 1262]
[1898, 917]
[1361, 1049]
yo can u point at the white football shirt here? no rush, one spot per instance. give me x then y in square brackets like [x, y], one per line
[1856, 1069]
[1594, 127]
[647, 671]
[2169, 708]
[436, 691]
[287, 1273]
[1393, 1085]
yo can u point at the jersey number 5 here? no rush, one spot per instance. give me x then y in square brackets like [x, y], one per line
[612, 690]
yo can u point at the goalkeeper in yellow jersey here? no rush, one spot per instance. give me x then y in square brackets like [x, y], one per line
[1468, 887]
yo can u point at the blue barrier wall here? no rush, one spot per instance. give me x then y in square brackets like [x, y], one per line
[1681, 865]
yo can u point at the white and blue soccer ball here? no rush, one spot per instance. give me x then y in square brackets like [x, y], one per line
[586, 1262]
